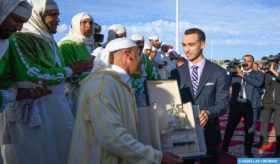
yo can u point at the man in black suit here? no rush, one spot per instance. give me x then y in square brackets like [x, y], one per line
[271, 101]
[245, 102]
[204, 83]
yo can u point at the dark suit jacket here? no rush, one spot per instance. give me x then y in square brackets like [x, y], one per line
[254, 80]
[269, 86]
[212, 95]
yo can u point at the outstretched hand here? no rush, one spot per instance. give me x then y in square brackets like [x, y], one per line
[170, 158]
[81, 66]
[32, 93]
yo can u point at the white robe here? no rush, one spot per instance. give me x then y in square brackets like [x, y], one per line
[49, 141]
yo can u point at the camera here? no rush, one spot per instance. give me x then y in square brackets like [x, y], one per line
[267, 61]
[232, 65]
[99, 38]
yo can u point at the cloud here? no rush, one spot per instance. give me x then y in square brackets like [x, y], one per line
[61, 29]
[246, 42]
[235, 20]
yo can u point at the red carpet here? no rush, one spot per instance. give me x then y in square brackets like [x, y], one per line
[236, 148]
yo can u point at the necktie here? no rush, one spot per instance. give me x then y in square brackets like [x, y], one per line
[194, 78]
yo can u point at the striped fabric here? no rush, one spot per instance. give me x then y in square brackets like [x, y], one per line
[194, 78]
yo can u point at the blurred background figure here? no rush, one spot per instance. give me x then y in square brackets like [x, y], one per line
[115, 31]
[139, 40]
[256, 66]
[155, 65]
[154, 41]
[138, 79]
[163, 59]
[171, 63]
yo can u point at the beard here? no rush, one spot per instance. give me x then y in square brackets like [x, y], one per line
[53, 27]
[52, 31]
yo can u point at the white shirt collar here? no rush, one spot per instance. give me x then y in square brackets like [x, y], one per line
[199, 64]
[247, 71]
[122, 73]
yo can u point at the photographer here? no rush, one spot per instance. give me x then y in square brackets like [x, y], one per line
[245, 102]
[271, 101]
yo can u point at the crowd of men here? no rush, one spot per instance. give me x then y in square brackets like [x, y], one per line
[76, 101]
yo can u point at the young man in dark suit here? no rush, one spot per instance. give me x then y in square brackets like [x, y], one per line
[245, 102]
[204, 83]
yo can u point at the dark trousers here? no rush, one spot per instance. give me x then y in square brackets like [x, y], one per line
[265, 118]
[249, 115]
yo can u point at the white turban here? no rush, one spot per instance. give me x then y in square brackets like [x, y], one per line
[23, 9]
[40, 6]
[101, 59]
[35, 25]
[118, 28]
[114, 30]
[120, 43]
[153, 37]
[102, 54]
[50, 5]
[137, 37]
[147, 46]
[6, 7]
[75, 34]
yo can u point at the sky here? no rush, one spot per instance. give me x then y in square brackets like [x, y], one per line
[233, 28]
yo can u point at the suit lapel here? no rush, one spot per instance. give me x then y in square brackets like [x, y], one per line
[206, 73]
[247, 86]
